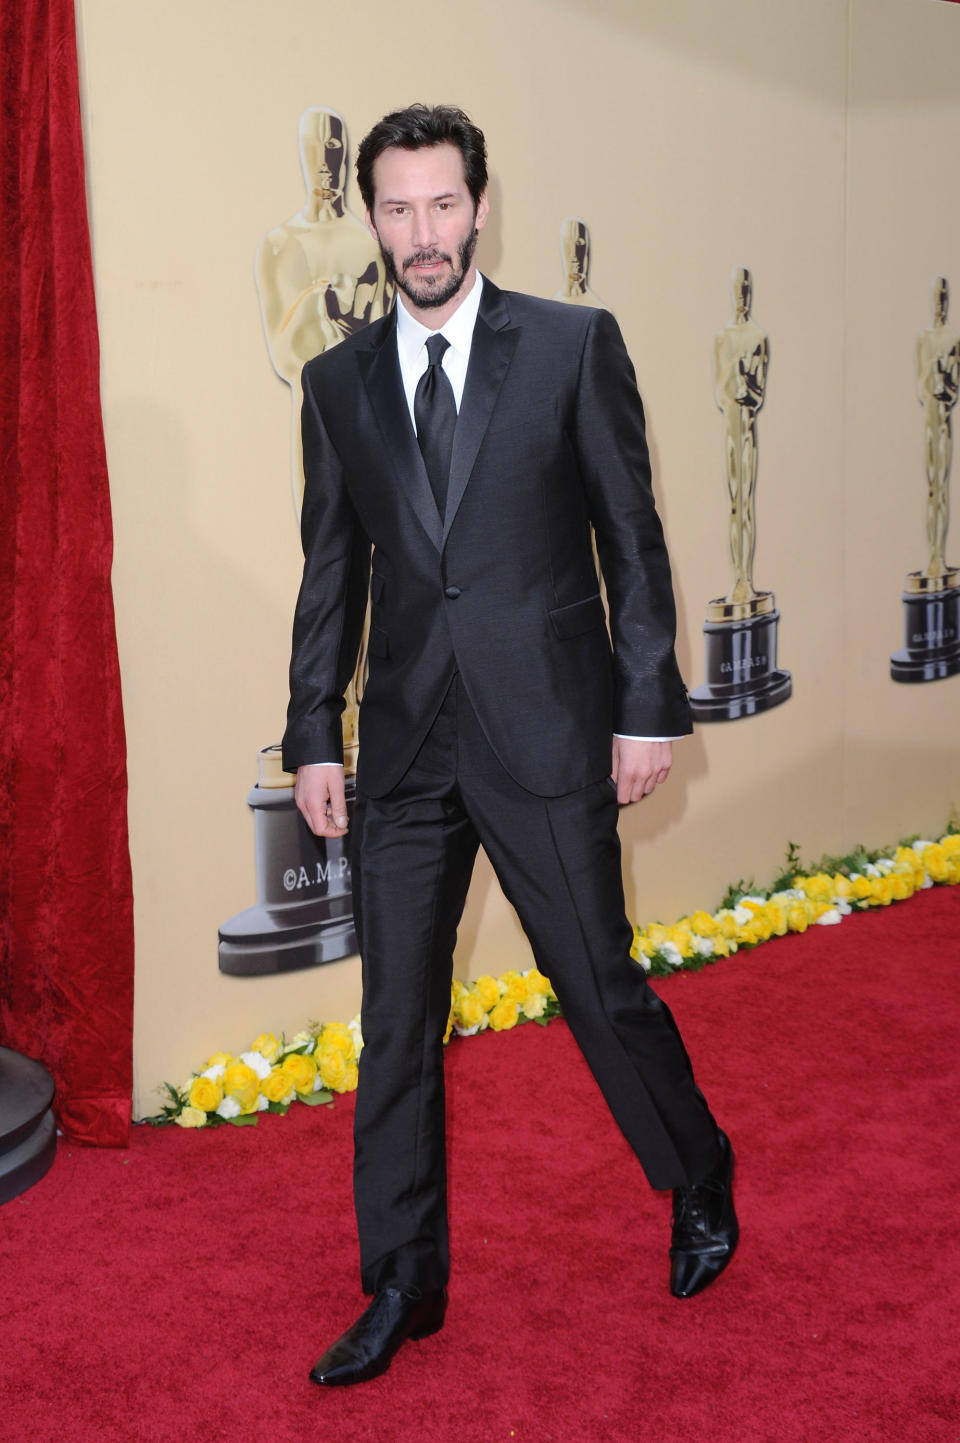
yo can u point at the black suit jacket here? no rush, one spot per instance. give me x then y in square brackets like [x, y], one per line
[550, 439]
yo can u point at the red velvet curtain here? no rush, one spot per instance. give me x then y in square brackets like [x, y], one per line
[66, 966]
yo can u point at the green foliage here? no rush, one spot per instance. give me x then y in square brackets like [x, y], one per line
[732, 895]
[791, 866]
[316, 1099]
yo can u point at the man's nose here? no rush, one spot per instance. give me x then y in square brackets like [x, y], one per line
[424, 230]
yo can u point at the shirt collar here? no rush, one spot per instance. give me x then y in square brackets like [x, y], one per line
[458, 328]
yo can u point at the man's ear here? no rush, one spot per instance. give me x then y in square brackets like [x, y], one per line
[368, 222]
[483, 210]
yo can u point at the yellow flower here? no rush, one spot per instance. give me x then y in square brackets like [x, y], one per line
[219, 1059]
[278, 1086]
[333, 1068]
[337, 1035]
[487, 989]
[900, 886]
[679, 935]
[861, 888]
[535, 1005]
[350, 1078]
[538, 983]
[881, 890]
[658, 933]
[728, 926]
[205, 1096]
[935, 861]
[515, 986]
[192, 1117]
[703, 924]
[505, 1015]
[470, 1011]
[819, 888]
[641, 946]
[241, 1082]
[951, 843]
[449, 1027]
[302, 1069]
[797, 919]
[842, 886]
[721, 947]
[777, 917]
[267, 1045]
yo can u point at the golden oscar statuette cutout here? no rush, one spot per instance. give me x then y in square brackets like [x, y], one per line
[931, 598]
[320, 277]
[741, 628]
[575, 262]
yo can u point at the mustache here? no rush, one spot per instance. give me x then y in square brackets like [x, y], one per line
[422, 258]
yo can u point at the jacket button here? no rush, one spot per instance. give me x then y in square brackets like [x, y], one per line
[452, 592]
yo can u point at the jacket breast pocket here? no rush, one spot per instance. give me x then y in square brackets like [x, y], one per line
[581, 616]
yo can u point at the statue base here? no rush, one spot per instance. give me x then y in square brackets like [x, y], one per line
[743, 678]
[931, 623]
[303, 916]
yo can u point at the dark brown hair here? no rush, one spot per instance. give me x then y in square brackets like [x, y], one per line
[420, 126]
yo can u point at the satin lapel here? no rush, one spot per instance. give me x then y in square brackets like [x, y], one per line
[380, 369]
[491, 352]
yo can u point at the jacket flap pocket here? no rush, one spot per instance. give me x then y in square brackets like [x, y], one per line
[581, 616]
[377, 643]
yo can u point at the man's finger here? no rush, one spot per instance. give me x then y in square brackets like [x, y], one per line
[338, 797]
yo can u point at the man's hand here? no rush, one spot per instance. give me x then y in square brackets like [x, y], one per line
[638, 767]
[319, 793]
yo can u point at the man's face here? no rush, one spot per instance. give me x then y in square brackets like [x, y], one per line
[426, 222]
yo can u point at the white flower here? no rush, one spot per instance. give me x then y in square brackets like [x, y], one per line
[702, 946]
[466, 1031]
[792, 894]
[885, 865]
[829, 919]
[742, 915]
[644, 961]
[927, 881]
[258, 1062]
[262, 1102]
[920, 846]
[229, 1107]
[317, 1084]
[356, 1035]
[671, 953]
[760, 901]
[215, 1073]
[843, 906]
[871, 871]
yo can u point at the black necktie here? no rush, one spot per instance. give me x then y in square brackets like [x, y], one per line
[435, 413]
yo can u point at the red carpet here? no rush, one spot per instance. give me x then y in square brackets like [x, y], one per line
[179, 1292]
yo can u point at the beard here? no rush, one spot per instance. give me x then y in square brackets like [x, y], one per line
[429, 292]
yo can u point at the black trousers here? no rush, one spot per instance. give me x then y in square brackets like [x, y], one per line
[558, 862]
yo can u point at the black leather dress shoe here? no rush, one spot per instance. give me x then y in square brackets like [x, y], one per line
[705, 1228]
[365, 1350]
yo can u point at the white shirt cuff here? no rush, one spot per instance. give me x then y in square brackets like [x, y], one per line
[646, 739]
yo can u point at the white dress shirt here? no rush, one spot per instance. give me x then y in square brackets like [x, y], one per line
[412, 338]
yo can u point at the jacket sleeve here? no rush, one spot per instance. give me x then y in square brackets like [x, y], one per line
[610, 440]
[328, 621]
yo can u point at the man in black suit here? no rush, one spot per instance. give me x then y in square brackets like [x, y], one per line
[471, 439]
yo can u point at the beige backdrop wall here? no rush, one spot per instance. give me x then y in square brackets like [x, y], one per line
[815, 143]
